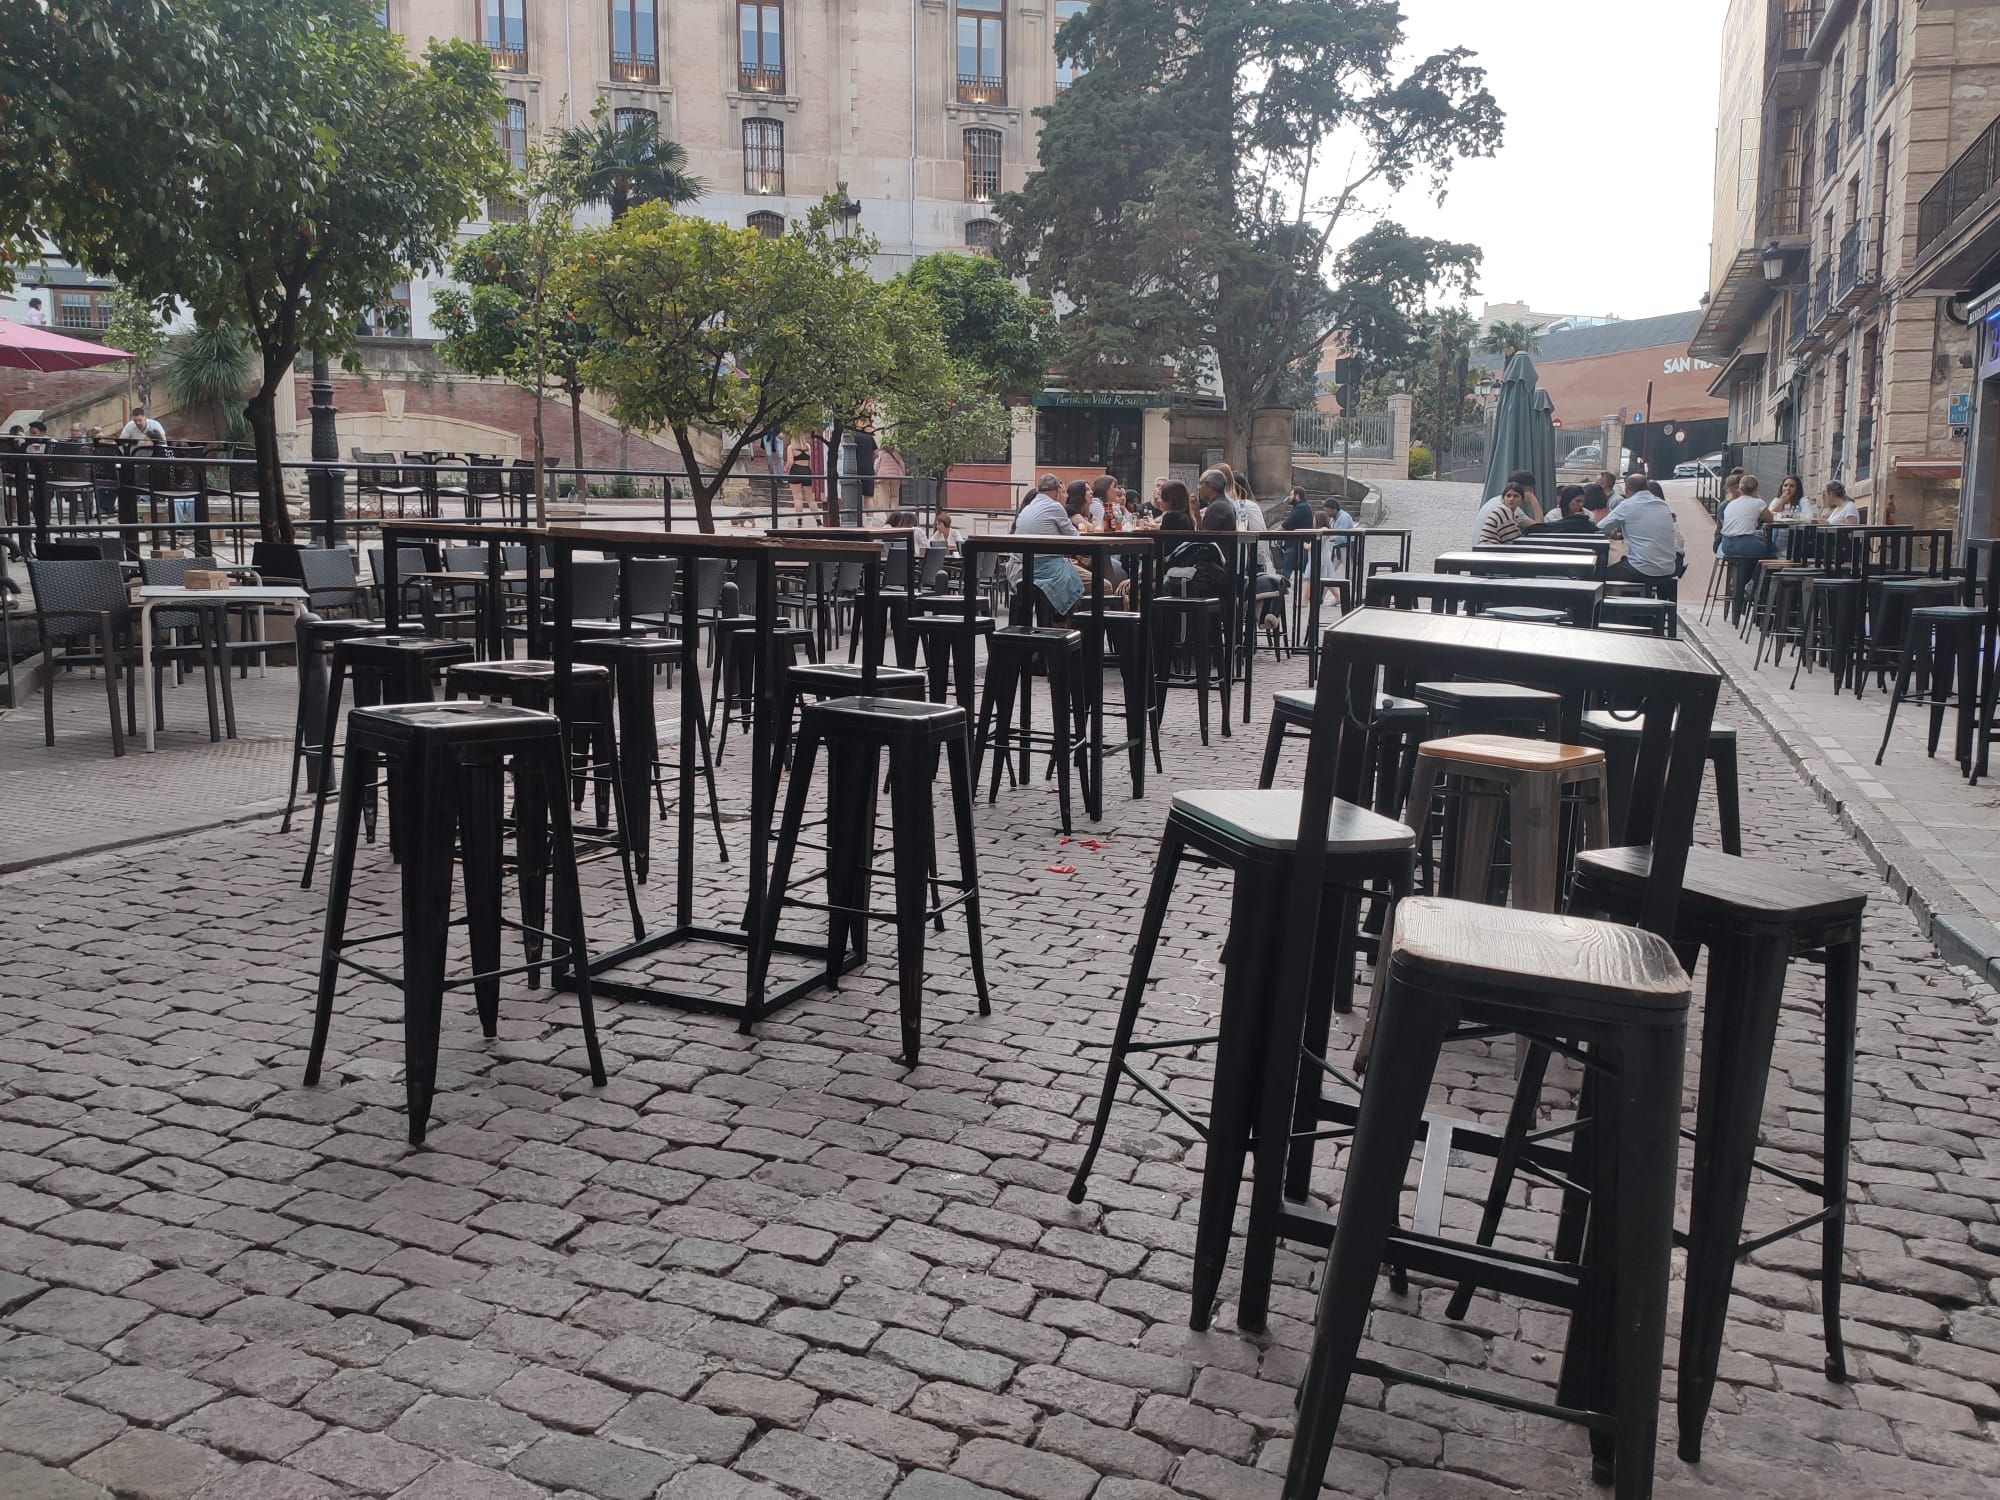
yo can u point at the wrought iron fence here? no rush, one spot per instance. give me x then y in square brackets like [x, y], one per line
[1364, 435]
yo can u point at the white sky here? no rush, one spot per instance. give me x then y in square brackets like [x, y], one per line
[1610, 116]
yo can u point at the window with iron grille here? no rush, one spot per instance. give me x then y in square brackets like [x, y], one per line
[768, 224]
[763, 156]
[1067, 72]
[982, 165]
[635, 41]
[982, 52]
[982, 234]
[503, 27]
[760, 46]
[390, 319]
[511, 133]
[623, 119]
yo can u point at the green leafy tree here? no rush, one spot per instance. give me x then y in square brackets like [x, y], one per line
[702, 327]
[629, 164]
[106, 113]
[208, 370]
[1005, 337]
[954, 422]
[1193, 180]
[136, 328]
[312, 163]
[1508, 338]
[504, 318]
[1387, 279]
[1444, 388]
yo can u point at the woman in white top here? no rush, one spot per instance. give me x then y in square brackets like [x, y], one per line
[1840, 511]
[1741, 540]
[1791, 504]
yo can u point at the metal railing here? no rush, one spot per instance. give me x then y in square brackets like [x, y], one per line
[1822, 293]
[507, 59]
[1829, 165]
[1857, 267]
[1364, 435]
[1857, 106]
[1798, 316]
[755, 80]
[1963, 184]
[1792, 25]
[976, 89]
[635, 67]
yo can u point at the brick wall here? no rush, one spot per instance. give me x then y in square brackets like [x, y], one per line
[31, 390]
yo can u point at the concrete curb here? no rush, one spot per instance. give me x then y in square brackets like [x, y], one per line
[1960, 936]
[249, 814]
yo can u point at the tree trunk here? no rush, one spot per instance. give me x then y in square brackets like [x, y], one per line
[703, 494]
[274, 517]
[1239, 417]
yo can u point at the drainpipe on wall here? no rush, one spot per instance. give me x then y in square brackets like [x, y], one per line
[569, 80]
[914, 74]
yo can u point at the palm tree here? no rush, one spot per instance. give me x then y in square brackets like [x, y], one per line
[626, 164]
[1507, 339]
[209, 370]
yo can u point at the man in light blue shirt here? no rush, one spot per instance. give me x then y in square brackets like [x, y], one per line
[1647, 524]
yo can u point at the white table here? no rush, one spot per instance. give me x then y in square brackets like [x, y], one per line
[152, 596]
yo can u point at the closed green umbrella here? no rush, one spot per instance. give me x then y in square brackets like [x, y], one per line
[1544, 464]
[1513, 443]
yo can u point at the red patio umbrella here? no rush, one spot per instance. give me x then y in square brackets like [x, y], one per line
[25, 348]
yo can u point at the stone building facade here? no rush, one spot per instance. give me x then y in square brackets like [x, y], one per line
[1836, 117]
[923, 109]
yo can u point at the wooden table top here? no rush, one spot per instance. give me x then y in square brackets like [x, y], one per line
[1397, 634]
[466, 531]
[1446, 585]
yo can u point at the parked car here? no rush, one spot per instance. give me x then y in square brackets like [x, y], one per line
[1708, 466]
[1591, 456]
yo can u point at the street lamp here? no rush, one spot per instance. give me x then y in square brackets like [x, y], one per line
[1776, 258]
[847, 210]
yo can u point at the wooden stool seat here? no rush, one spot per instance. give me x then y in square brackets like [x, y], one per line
[1506, 750]
[1574, 958]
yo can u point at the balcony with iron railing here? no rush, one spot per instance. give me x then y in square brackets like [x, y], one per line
[1783, 211]
[1858, 269]
[1829, 159]
[1792, 24]
[756, 80]
[1823, 309]
[1965, 182]
[1798, 318]
[974, 88]
[1857, 107]
[635, 67]
[507, 59]
[1885, 61]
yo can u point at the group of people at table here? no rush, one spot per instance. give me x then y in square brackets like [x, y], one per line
[1222, 503]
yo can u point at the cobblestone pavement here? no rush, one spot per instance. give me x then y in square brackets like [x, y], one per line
[784, 1265]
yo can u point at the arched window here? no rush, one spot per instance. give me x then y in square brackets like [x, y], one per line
[763, 156]
[768, 224]
[621, 119]
[982, 234]
[982, 164]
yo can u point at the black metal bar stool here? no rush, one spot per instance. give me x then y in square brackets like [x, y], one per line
[315, 637]
[452, 759]
[1829, 626]
[1658, 615]
[1397, 730]
[1254, 835]
[1779, 616]
[1614, 997]
[837, 679]
[1754, 918]
[1618, 736]
[1889, 620]
[735, 676]
[386, 669]
[634, 662]
[1941, 645]
[1189, 629]
[950, 643]
[1488, 708]
[1014, 657]
[856, 731]
[588, 728]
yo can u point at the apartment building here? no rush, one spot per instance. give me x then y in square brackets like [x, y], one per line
[1836, 118]
[923, 109]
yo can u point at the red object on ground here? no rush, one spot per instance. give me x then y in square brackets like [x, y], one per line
[1062, 869]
